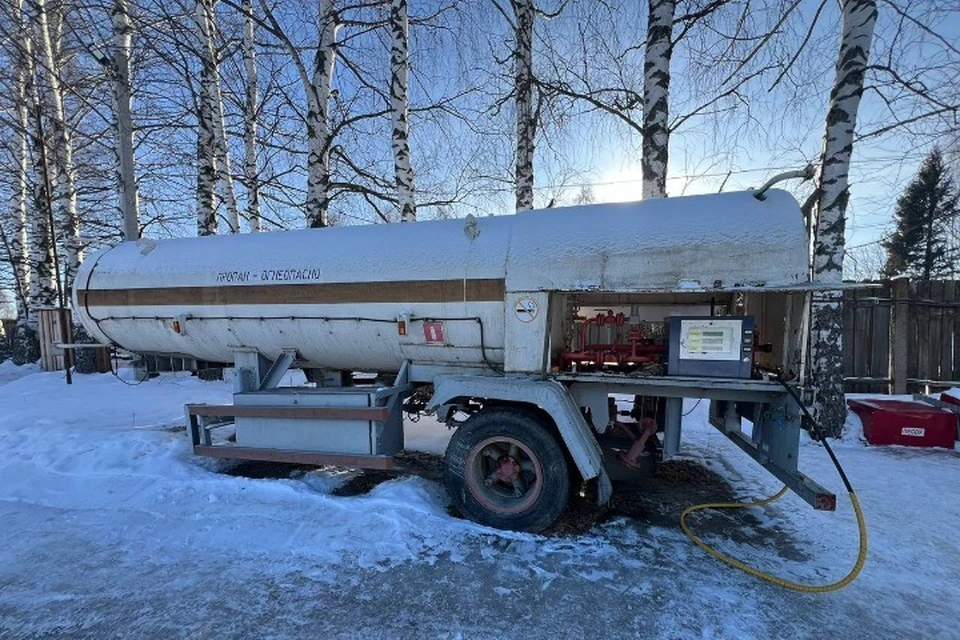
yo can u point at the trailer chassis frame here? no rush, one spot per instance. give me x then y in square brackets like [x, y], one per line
[773, 441]
[255, 372]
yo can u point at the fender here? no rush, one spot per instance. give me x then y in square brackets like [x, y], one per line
[550, 396]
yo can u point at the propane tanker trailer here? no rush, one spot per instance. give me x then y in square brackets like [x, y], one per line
[517, 330]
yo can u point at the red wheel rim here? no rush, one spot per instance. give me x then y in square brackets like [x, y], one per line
[504, 475]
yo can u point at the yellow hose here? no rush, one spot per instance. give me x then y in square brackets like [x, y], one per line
[787, 584]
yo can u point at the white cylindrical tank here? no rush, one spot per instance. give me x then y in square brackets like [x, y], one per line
[336, 294]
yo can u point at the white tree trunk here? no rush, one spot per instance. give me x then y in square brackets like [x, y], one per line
[224, 173]
[43, 286]
[859, 18]
[656, 90]
[123, 120]
[523, 86]
[206, 179]
[250, 174]
[19, 240]
[64, 188]
[399, 110]
[206, 136]
[319, 138]
[40, 291]
[206, 30]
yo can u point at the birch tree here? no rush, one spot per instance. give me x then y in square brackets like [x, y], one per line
[656, 89]
[17, 206]
[317, 81]
[250, 107]
[207, 171]
[833, 193]
[29, 201]
[524, 14]
[123, 120]
[206, 174]
[25, 346]
[224, 172]
[64, 186]
[43, 283]
[211, 111]
[18, 242]
[399, 109]
[319, 136]
[526, 92]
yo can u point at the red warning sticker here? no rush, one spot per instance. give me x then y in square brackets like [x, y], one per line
[433, 332]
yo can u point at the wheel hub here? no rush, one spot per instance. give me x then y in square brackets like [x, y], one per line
[508, 469]
[504, 475]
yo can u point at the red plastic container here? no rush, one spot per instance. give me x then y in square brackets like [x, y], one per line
[912, 424]
[949, 399]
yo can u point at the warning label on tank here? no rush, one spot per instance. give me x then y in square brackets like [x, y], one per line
[526, 310]
[433, 332]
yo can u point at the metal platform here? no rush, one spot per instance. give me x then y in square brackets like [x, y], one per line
[774, 438]
[681, 386]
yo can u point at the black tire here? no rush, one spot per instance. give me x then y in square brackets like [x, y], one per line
[500, 444]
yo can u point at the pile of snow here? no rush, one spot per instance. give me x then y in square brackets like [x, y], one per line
[10, 372]
[101, 443]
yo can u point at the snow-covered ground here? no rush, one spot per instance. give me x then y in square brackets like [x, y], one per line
[109, 527]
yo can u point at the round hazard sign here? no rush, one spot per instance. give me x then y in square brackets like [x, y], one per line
[526, 309]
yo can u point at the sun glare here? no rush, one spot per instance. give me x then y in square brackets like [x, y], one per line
[622, 185]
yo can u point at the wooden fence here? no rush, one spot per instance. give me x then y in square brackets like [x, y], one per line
[902, 336]
[86, 358]
[53, 331]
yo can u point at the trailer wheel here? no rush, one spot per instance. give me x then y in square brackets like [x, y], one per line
[504, 469]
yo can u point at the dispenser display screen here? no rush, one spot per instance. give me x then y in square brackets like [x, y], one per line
[711, 346]
[710, 339]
